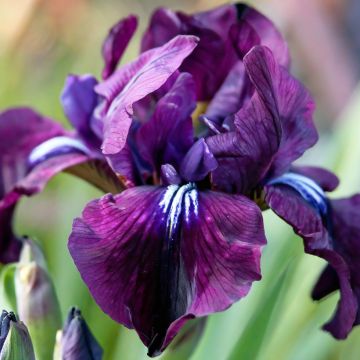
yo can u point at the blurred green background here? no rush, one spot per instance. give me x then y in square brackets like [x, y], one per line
[41, 41]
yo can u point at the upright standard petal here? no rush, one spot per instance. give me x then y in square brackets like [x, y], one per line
[245, 155]
[287, 101]
[148, 73]
[259, 30]
[147, 256]
[214, 56]
[301, 205]
[79, 101]
[116, 42]
[169, 134]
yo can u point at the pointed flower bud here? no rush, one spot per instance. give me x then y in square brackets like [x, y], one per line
[75, 341]
[37, 304]
[15, 342]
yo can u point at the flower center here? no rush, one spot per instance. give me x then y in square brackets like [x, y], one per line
[306, 187]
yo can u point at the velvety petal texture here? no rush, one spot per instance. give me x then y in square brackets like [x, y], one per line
[155, 257]
[271, 131]
[116, 42]
[330, 232]
[135, 81]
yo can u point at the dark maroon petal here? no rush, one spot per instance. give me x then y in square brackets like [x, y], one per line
[79, 100]
[327, 180]
[156, 257]
[266, 34]
[148, 73]
[10, 245]
[213, 57]
[116, 42]
[245, 155]
[198, 162]
[287, 101]
[321, 241]
[231, 95]
[168, 135]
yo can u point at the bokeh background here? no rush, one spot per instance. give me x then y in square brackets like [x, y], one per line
[41, 41]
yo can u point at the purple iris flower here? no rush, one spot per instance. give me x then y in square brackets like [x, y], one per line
[255, 158]
[184, 238]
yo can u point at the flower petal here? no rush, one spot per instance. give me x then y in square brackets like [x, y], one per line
[324, 178]
[318, 241]
[147, 256]
[116, 42]
[287, 101]
[245, 155]
[168, 135]
[148, 73]
[214, 55]
[198, 162]
[265, 33]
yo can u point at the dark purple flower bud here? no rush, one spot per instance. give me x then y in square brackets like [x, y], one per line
[76, 342]
[15, 342]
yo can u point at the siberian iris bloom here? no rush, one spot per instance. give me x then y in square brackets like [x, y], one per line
[180, 232]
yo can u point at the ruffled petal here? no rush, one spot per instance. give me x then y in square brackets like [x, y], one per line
[116, 42]
[321, 241]
[148, 256]
[142, 77]
[287, 101]
[213, 57]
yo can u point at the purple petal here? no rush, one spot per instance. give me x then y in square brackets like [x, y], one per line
[10, 245]
[79, 101]
[245, 155]
[168, 135]
[326, 179]
[214, 56]
[319, 241]
[116, 42]
[169, 175]
[198, 162]
[148, 256]
[231, 95]
[148, 73]
[265, 34]
[287, 101]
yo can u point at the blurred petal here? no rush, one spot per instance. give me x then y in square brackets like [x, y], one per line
[168, 135]
[287, 101]
[307, 222]
[148, 73]
[148, 256]
[116, 42]
[259, 30]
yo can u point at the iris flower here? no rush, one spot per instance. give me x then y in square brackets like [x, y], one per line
[180, 232]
